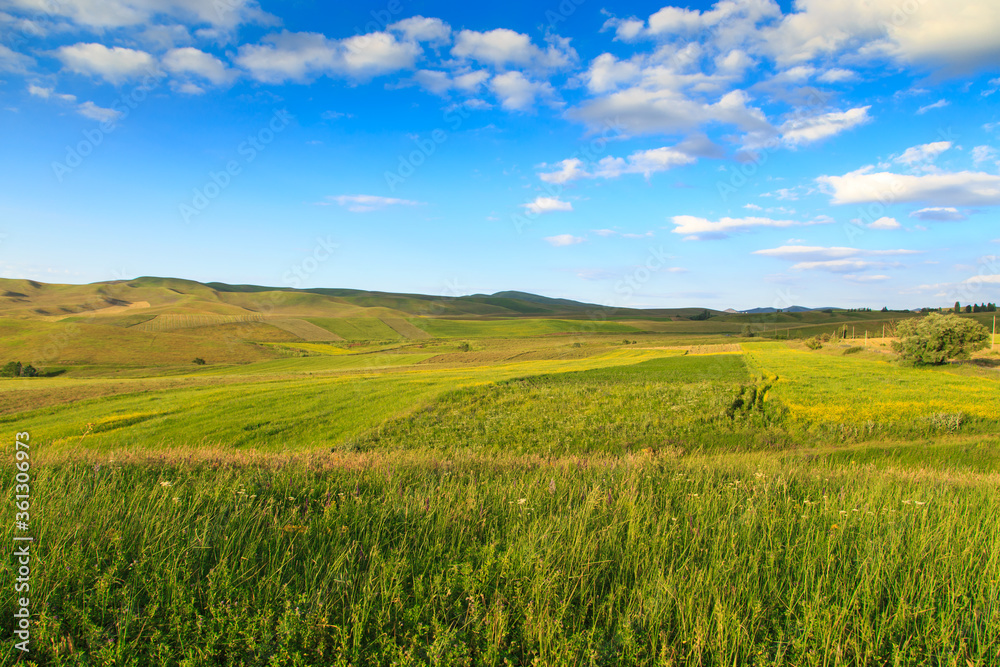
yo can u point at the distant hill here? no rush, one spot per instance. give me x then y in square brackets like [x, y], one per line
[147, 297]
[790, 309]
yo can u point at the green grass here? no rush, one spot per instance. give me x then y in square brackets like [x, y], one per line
[441, 328]
[358, 328]
[410, 559]
[547, 500]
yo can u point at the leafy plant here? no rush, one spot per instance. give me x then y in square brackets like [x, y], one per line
[937, 338]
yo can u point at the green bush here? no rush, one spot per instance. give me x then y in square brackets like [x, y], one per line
[853, 349]
[937, 338]
[199, 361]
[813, 343]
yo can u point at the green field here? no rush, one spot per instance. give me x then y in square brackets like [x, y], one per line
[549, 491]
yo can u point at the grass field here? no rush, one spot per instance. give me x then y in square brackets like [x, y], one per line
[505, 492]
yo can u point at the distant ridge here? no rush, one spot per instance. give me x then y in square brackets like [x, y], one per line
[790, 309]
[166, 296]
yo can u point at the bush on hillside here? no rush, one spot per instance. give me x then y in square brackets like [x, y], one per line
[936, 338]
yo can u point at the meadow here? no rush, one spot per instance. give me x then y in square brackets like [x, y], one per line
[505, 492]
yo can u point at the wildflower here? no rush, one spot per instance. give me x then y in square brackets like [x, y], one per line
[176, 499]
[834, 527]
[166, 485]
[521, 501]
[917, 502]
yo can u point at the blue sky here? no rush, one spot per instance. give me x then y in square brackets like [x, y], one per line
[736, 154]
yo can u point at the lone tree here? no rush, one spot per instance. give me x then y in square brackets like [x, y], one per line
[937, 338]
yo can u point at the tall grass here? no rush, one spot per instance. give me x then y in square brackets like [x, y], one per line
[409, 558]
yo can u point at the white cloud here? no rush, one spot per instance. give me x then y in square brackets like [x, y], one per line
[989, 279]
[100, 114]
[645, 162]
[607, 73]
[885, 223]
[642, 162]
[547, 205]
[365, 203]
[963, 188]
[301, 56]
[433, 81]
[569, 170]
[285, 56]
[517, 92]
[115, 65]
[14, 62]
[824, 253]
[189, 60]
[421, 29]
[940, 104]
[641, 111]
[923, 153]
[837, 265]
[377, 53]
[49, 93]
[564, 240]
[983, 154]
[797, 131]
[695, 228]
[502, 47]
[225, 14]
[939, 213]
[836, 75]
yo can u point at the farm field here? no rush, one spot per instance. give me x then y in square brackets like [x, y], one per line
[527, 499]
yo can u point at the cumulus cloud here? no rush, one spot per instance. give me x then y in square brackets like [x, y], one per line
[939, 213]
[191, 61]
[421, 29]
[100, 114]
[49, 93]
[301, 56]
[568, 170]
[365, 203]
[564, 240]
[798, 131]
[983, 154]
[645, 162]
[547, 205]
[607, 73]
[501, 48]
[885, 223]
[103, 14]
[696, 229]
[14, 62]
[115, 65]
[964, 188]
[517, 92]
[643, 111]
[923, 153]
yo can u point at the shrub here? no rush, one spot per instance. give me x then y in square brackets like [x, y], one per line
[199, 361]
[853, 350]
[11, 369]
[465, 347]
[813, 343]
[936, 338]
